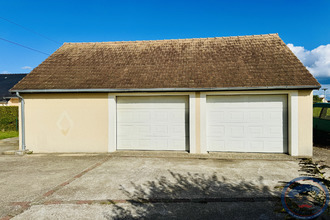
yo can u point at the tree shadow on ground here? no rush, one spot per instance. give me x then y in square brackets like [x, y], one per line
[309, 168]
[198, 196]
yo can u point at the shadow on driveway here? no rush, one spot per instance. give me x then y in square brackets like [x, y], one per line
[198, 196]
[106, 187]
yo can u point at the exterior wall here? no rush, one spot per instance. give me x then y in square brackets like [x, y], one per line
[305, 123]
[20, 127]
[76, 122]
[86, 122]
[11, 102]
[198, 123]
[14, 102]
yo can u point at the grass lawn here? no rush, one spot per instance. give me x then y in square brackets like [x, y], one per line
[8, 134]
[316, 112]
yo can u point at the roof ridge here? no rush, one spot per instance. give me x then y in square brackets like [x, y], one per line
[179, 39]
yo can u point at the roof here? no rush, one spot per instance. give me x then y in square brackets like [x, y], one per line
[7, 81]
[258, 61]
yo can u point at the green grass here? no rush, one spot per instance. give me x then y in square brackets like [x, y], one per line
[316, 112]
[8, 134]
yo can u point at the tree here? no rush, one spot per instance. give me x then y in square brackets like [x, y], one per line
[316, 98]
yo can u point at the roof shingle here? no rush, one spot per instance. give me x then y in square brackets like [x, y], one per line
[222, 62]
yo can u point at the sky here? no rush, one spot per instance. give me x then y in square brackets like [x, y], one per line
[45, 25]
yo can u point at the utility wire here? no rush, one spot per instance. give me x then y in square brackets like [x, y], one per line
[30, 30]
[23, 46]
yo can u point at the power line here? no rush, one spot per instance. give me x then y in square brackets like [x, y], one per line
[41, 35]
[12, 42]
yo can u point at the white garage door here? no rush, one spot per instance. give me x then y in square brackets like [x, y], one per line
[152, 123]
[251, 123]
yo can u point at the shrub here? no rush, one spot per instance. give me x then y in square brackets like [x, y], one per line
[8, 118]
[316, 98]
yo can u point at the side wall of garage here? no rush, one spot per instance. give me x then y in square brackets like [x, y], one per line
[305, 122]
[75, 122]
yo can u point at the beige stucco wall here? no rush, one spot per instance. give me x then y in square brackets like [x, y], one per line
[75, 122]
[14, 102]
[78, 122]
[20, 127]
[305, 122]
[11, 102]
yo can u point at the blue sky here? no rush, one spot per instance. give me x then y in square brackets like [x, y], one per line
[304, 24]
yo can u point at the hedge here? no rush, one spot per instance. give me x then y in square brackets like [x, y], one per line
[8, 118]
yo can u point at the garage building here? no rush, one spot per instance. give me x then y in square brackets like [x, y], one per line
[223, 94]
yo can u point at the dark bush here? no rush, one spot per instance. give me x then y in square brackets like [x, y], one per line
[8, 118]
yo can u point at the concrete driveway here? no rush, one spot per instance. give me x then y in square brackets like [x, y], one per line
[67, 186]
[9, 144]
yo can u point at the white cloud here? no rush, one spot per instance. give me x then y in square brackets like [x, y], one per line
[5, 72]
[26, 68]
[321, 92]
[317, 61]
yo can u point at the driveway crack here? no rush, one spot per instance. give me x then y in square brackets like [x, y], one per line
[24, 206]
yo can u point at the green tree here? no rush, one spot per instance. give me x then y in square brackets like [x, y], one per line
[316, 98]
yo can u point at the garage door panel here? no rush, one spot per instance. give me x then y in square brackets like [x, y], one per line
[254, 116]
[255, 131]
[235, 145]
[129, 116]
[276, 131]
[252, 123]
[256, 146]
[159, 117]
[162, 144]
[179, 131]
[177, 117]
[236, 116]
[217, 116]
[216, 131]
[220, 145]
[274, 116]
[152, 123]
[157, 130]
[273, 144]
[234, 131]
[151, 131]
[233, 116]
[175, 144]
[124, 129]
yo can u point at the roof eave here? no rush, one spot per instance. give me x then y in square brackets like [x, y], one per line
[166, 89]
[10, 97]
